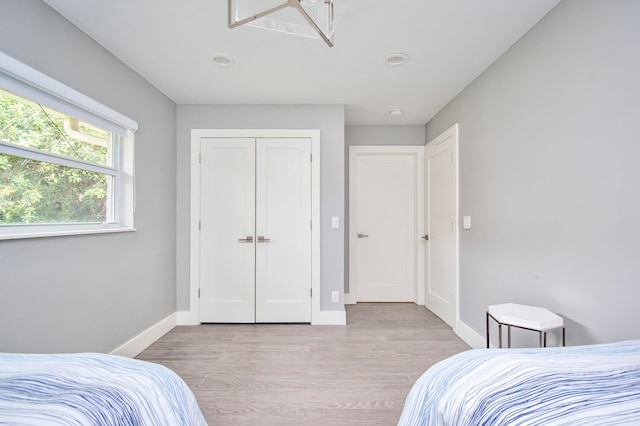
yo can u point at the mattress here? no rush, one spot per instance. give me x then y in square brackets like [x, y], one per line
[579, 385]
[92, 389]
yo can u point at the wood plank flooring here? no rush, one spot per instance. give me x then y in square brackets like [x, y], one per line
[298, 374]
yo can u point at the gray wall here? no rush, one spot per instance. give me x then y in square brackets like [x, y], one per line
[549, 150]
[329, 119]
[91, 293]
[384, 135]
[378, 136]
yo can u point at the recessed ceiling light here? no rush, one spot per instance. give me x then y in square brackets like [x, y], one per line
[222, 59]
[396, 59]
[397, 112]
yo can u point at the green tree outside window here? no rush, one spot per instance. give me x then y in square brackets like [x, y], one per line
[33, 192]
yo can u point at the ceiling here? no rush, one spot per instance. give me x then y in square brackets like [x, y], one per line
[449, 43]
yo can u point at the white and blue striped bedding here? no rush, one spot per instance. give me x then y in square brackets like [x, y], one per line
[580, 385]
[92, 389]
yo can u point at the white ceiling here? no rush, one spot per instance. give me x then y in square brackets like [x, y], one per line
[449, 43]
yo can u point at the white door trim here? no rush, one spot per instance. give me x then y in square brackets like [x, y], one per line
[418, 152]
[192, 316]
[451, 132]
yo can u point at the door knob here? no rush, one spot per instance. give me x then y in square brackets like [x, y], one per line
[361, 235]
[262, 239]
[425, 237]
[249, 239]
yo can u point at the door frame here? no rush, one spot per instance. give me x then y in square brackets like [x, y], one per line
[193, 316]
[451, 133]
[417, 151]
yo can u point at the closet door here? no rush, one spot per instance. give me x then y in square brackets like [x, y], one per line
[227, 225]
[283, 230]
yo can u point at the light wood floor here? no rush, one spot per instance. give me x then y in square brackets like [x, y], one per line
[298, 374]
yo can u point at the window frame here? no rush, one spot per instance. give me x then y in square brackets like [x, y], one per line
[29, 83]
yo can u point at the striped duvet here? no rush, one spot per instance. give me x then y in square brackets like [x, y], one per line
[92, 389]
[580, 385]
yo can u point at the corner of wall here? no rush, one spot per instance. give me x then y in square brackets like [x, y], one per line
[142, 341]
[470, 336]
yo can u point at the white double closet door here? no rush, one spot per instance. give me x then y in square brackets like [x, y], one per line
[255, 238]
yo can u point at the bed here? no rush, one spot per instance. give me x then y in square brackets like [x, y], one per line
[579, 385]
[92, 389]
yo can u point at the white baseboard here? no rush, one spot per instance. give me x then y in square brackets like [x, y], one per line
[143, 340]
[187, 318]
[350, 299]
[470, 336]
[329, 318]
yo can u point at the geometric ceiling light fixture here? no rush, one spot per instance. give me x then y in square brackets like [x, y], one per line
[306, 18]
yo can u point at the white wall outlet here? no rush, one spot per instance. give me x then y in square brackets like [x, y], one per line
[335, 296]
[335, 222]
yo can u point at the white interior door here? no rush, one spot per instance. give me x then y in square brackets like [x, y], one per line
[383, 224]
[441, 226]
[227, 252]
[283, 230]
[255, 230]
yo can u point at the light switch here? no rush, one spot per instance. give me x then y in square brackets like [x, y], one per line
[335, 222]
[466, 222]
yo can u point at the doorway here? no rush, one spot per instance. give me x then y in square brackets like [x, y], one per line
[385, 225]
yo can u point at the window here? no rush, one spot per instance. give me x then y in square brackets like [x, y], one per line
[66, 161]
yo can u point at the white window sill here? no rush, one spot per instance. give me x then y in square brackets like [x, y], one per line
[59, 233]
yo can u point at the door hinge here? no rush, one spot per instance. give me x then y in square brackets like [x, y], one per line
[200, 158]
[198, 293]
[311, 158]
[310, 224]
[452, 157]
[199, 225]
[311, 292]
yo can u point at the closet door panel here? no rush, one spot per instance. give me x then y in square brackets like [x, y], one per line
[227, 264]
[283, 230]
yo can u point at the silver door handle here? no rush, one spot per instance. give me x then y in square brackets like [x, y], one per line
[249, 239]
[361, 235]
[262, 239]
